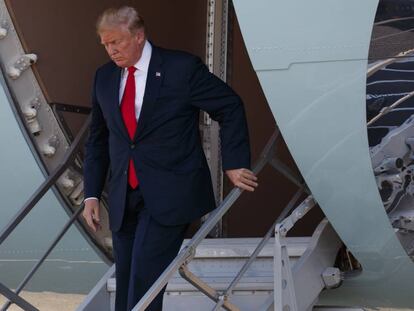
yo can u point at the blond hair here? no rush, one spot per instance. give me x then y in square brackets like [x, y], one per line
[123, 16]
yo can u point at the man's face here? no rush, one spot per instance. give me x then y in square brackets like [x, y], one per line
[122, 46]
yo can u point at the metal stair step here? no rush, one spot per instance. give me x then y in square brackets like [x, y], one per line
[217, 262]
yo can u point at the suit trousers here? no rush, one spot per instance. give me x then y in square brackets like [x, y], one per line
[143, 248]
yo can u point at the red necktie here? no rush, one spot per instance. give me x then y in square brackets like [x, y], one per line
[128, 114]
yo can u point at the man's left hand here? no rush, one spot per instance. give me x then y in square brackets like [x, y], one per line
[243, 178]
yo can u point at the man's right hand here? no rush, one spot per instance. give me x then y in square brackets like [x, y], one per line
[91, 214]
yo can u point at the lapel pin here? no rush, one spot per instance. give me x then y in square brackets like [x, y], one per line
[158, 74]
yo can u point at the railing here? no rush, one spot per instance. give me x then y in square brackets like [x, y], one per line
[180, 263]
[229, 291]
[184, 257]
[284, 293]
[69, 158]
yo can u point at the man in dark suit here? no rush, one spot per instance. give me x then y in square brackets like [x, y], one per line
[145, 118]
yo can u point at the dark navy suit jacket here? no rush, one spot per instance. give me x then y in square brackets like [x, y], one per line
[167, 152]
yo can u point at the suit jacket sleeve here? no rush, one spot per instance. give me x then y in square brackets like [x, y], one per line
[96, 160]
[212, 95]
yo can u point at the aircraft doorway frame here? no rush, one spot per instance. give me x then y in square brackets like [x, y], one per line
[216, 60]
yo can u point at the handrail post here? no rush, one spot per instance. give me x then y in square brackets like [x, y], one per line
[284, 292]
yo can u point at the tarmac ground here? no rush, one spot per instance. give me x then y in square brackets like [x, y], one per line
[48, 301]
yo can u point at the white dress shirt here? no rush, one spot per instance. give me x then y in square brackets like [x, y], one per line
[140, 78]
[140, 82]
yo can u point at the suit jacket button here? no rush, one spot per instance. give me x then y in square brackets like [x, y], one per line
[132, 146]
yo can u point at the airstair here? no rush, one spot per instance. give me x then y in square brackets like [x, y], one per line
[280, 273]
[217, 262]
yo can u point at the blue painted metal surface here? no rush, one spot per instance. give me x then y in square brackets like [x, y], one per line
[311, 60]
[73, 267]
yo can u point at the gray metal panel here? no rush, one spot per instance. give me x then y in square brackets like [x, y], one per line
[250, 301]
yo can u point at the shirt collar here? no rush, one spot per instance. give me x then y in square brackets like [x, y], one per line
[143, 63]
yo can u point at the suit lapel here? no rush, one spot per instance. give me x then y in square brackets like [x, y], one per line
[114, 83]
[154, 81]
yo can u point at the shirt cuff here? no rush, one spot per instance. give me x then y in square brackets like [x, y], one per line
[90, 198]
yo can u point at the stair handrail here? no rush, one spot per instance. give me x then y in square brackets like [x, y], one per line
[47, 184]
[229, 290]
[69, 157]
[187, 253]
[38, 264]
